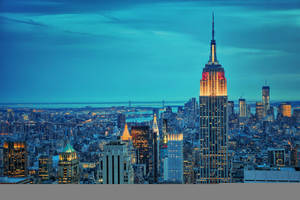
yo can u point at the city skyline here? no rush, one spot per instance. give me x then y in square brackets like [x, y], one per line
[53, 53]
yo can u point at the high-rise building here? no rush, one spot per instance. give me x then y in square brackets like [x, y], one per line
[266, 99]
[276, 157]
[230, 108]
[115, 164]
[68, 166]
[243, 108]
[213, 121]
[45, 167]
[259, 111]
[142, 142]
[121, 120]
[155, 149]
[295, 157]
[1, 161]
[285, 109]
[15, 159]
[173, 166]
[126, 135]
[296, 116]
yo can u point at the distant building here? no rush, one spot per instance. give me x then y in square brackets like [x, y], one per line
[142, 142]
[126, 135]
[296, 116]
[174, 162]
[17, 180]
[45, 167]
[276, 157]
[115, 164]
[243, 108]
[285, 109]
[121, 120]
[15, 159]
[155, 148]
[259, 111]
[230, 108]
[295, 157]
[1, 161]
[282, 175]
[265, 99]
[68, 166]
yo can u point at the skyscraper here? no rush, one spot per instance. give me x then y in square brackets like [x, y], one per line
[115, 164]
[266, 99]
[126, 135]
[142, 143]
[174, 161]
[230, 108]
[213, 121]
[259, 111]
[45, 167]
[285, 109]
[243, 108]
[68, 166]
[15, 159]
[155, 149]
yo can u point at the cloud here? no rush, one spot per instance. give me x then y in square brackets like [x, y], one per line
[144, 49]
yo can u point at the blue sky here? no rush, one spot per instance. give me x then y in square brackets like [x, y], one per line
[67, 50]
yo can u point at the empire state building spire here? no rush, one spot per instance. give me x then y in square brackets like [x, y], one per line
[213, 53]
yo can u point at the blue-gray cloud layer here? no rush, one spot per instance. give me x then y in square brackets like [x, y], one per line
[67, 50]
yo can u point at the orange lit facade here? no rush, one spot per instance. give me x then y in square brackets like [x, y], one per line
[126, 135]
[142, 143]
[15, 159]
[286, 109]
[213, 122]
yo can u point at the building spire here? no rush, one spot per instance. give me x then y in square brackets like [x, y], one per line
[213, 26]
[213, 54]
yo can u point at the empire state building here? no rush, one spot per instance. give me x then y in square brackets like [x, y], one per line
[213, 121]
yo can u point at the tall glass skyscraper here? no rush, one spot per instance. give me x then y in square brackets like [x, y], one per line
[213, 121]
[174, 161]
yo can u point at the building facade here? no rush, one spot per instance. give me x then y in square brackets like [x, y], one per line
[213, 121]
[45, 167]
[68, 166]
[15, 161]
[174, 161]
[115, 164]
[266, 99]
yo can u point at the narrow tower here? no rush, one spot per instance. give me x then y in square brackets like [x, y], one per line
[213, 121]
[155, 150]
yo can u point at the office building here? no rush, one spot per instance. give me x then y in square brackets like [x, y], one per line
[230, 108]
[213, 121]
[276, 157]
[155, 148]
[285, 109]
[126, 135]
[259, 111]
[266, 99]
[45, 167]
[115, 164]
[242, 108]
[68, 166]
[15, 161]
[173, 165]
[142, 143]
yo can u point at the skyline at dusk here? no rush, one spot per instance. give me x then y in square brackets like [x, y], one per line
[67, 51]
